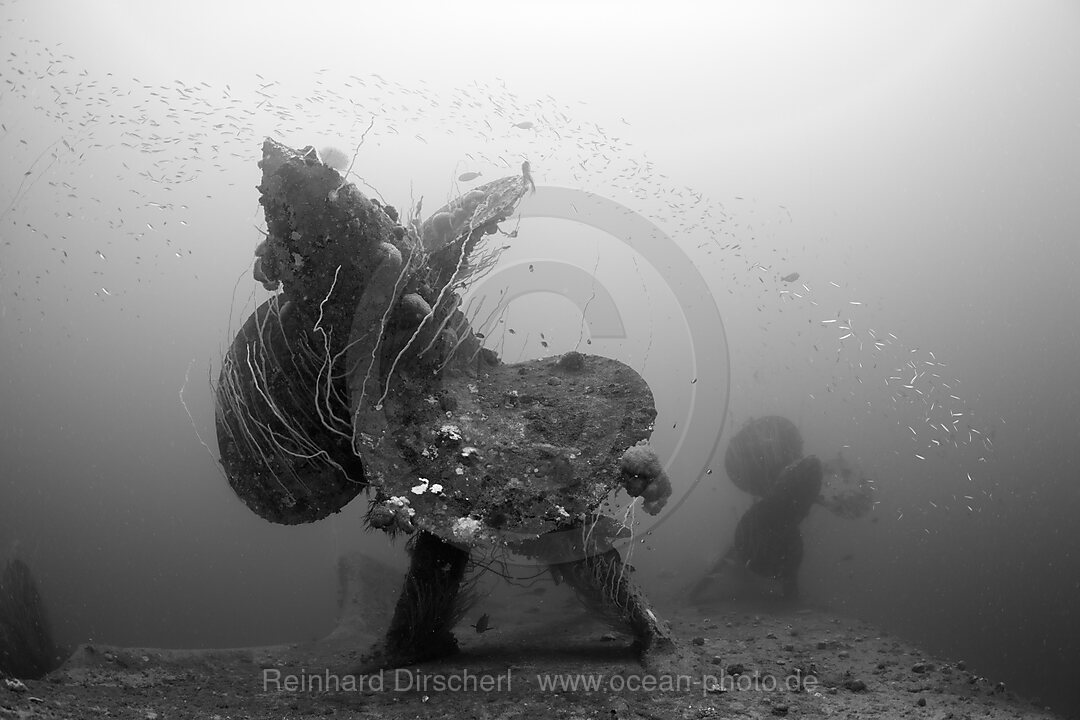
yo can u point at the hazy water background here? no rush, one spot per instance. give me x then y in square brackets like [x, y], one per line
[921, 156]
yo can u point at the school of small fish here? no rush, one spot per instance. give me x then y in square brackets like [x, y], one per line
[170, 150]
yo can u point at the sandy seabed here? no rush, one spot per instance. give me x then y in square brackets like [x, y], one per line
[744, 663]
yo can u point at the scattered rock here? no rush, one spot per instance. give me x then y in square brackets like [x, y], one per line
[713, 685]
[855, 685]
[15, 685]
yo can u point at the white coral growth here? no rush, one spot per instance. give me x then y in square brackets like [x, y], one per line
[466, 529]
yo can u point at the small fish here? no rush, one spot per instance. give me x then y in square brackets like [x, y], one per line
[791, 278]
[483, 624]
[525, 125]
[466, 177]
